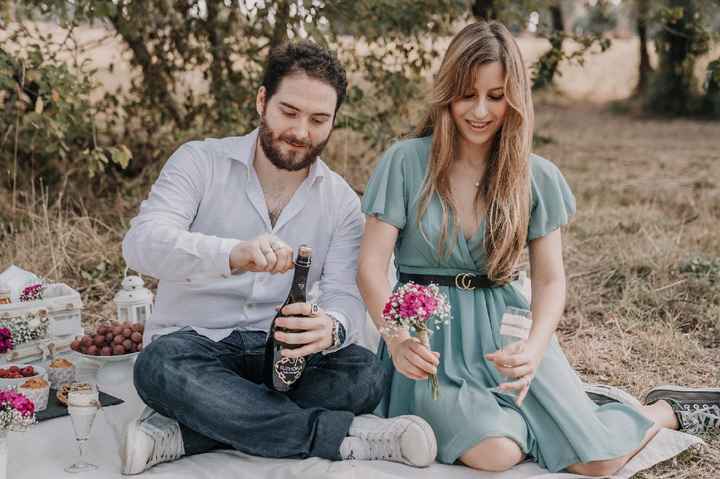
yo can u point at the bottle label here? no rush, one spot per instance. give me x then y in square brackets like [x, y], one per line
[289, 370]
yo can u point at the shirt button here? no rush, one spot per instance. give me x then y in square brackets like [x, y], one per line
[188, 280]
[224, 276]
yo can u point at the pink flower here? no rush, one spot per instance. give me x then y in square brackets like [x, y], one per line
[14, 400]
[6, 340]
[32, 292]
[415, 305]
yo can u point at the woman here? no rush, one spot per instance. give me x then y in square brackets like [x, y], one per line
[457, 205]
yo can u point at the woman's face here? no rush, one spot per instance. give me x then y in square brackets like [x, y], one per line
[480, 111]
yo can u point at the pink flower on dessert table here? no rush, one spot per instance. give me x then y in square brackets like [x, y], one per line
[17, 412]
[32, 292]
[6, 340]
[23, 405]
[414, 307]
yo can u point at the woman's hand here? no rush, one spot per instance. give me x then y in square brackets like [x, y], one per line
[412, 358]
[518, 361]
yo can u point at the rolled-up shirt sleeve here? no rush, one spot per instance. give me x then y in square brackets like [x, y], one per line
[339, 294]
[159, 242]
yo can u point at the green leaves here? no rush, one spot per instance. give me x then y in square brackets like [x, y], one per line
[120, 155]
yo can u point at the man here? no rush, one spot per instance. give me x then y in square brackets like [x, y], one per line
[219, 229]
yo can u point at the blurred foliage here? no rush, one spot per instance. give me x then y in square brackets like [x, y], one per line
[387, 46]
[547, 20]
[685, 34]
[711, 100]
[601, 17]
[46, 116]
[196, 66]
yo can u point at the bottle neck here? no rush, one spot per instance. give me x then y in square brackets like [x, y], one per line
[298, 290]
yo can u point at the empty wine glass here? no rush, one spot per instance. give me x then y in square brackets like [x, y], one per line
[514, 326]
[83, 406]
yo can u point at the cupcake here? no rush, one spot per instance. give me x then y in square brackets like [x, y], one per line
[37, 390]
[61, 371]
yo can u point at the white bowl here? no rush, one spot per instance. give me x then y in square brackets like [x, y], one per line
[111, 369]
[108, 359]
[11, 383]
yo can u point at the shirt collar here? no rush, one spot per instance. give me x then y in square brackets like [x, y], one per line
[242, 149]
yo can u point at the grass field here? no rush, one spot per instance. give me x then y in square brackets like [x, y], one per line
[642, 254]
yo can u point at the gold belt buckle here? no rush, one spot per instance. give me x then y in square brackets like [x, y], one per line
[464, 281]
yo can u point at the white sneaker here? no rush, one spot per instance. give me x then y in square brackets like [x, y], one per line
[149, 440]
[406, 439]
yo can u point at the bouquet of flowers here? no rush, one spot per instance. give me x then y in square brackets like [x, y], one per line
[414, 306]
[17, 412]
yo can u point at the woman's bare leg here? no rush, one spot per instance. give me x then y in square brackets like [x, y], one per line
[495, 454]
[660, 413]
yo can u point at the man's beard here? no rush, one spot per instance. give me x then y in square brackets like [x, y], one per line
[293, 160]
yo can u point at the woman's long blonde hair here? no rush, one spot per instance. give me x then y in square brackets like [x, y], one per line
[505, 190]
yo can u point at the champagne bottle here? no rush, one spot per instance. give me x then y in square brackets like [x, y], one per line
[280, 373]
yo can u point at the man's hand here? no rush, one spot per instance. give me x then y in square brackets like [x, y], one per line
[264, 254]
[313, 331]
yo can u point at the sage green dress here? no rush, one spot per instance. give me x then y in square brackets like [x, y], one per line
[557, 425]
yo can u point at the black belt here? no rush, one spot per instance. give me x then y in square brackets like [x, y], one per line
[466, 281]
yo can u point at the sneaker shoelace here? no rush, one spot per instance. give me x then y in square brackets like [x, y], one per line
[167, 439]
[697, 419]
[383, 443]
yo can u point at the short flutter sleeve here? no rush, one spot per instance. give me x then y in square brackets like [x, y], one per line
[553, 203]
[385, 196]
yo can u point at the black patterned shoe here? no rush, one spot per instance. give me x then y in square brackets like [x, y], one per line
[697, 409]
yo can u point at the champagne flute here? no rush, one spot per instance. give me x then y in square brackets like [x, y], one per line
[515, 326]
[83, 406]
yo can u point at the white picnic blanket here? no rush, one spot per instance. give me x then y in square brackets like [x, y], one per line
[49, 446]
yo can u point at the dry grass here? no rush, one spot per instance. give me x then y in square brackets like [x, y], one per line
[648, 204]
[642, 254]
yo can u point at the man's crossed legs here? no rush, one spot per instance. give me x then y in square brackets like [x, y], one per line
[210, 395]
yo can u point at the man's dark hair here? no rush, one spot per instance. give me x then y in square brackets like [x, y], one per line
[308, 58]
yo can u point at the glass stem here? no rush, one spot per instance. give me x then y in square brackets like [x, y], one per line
[82, 443]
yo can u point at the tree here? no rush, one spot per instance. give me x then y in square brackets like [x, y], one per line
[547, 66]
[485, 9]
[644, 68]
[711, 99]
[683, 37]
[386, 46]
[549, 62]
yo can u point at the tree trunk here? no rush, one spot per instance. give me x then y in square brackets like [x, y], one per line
[484, 9]
[678, 44]
[279, 34]
[549, 62]
[644, 70]
[158, 79]
[711, 100]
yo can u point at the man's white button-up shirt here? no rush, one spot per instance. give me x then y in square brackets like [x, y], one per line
[207, 198]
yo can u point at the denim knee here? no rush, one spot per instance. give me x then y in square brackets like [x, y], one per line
[150, 364]
[370, 380]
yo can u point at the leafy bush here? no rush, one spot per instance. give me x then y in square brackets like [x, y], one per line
[48, 120]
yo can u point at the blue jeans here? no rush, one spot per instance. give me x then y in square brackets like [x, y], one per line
[215, 391]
